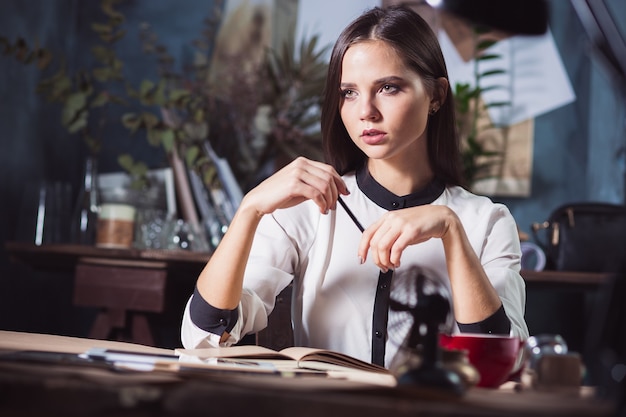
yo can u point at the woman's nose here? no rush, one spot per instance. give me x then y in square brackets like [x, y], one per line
[368, 110]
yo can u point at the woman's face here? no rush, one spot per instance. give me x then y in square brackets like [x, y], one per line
[384, 104]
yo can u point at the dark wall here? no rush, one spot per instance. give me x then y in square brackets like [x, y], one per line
[578, 148]
[35, 147]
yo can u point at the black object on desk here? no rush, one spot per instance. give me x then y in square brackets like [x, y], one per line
[430, 312]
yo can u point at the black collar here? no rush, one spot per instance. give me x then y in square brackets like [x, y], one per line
[388, 200]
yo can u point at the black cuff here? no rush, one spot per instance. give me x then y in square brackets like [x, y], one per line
[209, 318]
[497, 323]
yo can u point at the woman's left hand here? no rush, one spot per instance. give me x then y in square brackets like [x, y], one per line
[473, 296]
[387, 238]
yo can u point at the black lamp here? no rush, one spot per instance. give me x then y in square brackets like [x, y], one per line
[527, 17]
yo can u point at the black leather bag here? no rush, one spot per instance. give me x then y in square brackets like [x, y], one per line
[584, 237]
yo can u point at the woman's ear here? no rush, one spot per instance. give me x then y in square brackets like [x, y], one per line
[441, 92]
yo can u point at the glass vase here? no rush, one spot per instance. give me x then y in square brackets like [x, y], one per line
[85, 213]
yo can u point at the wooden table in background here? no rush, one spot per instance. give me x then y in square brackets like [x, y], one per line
[565, 279]
[567, 303]
[126, 284]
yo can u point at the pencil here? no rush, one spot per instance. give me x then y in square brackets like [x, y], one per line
[354, 219]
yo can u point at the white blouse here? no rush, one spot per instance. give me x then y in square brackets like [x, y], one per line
[333, 293]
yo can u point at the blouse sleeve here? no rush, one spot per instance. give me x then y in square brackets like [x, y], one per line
[273, 260]
[500, 258]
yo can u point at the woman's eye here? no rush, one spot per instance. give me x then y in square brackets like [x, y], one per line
[389, 88]
[348, 93]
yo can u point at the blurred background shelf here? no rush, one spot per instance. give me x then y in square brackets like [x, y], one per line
[65, 256]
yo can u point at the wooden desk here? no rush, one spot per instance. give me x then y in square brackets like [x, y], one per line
[33, 389]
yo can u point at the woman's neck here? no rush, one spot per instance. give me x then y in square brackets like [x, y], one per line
[400, 180]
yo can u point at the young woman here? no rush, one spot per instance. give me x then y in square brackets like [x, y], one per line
[392, 157]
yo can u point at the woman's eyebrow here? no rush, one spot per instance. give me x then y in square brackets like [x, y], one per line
[389, 79]
[379, 81]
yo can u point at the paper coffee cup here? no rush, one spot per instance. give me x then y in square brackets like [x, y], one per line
[116, 224]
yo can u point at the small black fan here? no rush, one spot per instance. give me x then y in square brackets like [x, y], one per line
[427, 314]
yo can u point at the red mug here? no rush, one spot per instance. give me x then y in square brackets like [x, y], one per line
[493, 356]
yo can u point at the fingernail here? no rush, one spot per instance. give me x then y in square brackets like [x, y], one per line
[361, 260]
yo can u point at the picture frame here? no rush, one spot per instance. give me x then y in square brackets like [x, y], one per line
[114, 182]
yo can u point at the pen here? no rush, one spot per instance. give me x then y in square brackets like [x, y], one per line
[354, 219]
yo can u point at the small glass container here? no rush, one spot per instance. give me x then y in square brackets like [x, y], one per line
[116, 223]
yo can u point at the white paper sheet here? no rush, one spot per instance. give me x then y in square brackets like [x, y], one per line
[535, 80]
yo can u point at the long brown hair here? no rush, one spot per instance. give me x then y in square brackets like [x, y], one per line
[412, 38]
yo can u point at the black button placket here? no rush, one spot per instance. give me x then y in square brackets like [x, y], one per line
[389, 201]
[380, 317]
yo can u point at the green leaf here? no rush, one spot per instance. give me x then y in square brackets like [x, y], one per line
[154, 136]
[107, 7]
[177, 95]
[101, 99]
[126, 161]
[131, 121]
[492, 72]
[75, 104]
[78, 123]
[146, 87]
[498, 104]
[209, 175]
[149, 120]
[159, 94]
[103, 74]
[167, 139]
[488, 57]
[137, 170]
[146, 92]
[198, 116]
[191, 155]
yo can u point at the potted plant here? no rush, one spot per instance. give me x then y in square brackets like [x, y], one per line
[479, 160]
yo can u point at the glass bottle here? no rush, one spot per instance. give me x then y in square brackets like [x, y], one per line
[85, 213]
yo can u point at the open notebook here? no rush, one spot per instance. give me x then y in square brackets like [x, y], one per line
[333, 364]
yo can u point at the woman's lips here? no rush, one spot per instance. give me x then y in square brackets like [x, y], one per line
[372, 136]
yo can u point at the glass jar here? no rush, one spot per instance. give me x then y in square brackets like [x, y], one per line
[85, 213]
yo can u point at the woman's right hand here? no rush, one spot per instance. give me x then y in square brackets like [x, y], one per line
[300, 180]
[221, 280]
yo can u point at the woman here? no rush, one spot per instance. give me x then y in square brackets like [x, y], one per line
[393, 158]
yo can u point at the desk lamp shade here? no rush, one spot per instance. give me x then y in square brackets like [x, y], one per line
[521, 17]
